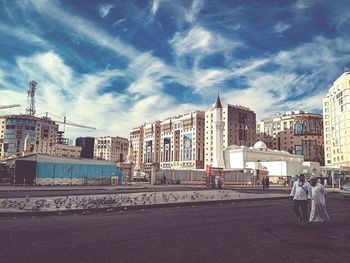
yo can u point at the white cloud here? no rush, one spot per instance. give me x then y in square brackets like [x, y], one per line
[84, 28]
[192, 13]
[200, 40]
[281, 27]
[155, 7]
[23, 34]
[118, 22]
[105, 9]
[304, 4]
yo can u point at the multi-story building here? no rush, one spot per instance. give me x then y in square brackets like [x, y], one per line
[136, 139]
[111, 148]
[151, 144]
[296, 132]
[336, 112]
[87, 146]
[239, 128]
[182, 141]
[65, 150]
[14, 129]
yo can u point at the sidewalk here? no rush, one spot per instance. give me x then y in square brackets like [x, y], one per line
[125, 200]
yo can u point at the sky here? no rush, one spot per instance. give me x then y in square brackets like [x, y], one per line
[116, 64]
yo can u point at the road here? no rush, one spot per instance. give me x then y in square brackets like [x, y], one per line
[259, 231]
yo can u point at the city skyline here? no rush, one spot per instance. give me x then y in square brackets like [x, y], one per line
[125, 63]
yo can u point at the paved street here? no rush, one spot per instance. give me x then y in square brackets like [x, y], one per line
[260, 231]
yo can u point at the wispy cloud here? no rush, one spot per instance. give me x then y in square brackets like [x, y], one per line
[199, 40]
[281, 27]
[105, 9]
[155, 7]
[23, 34]
[192, 13]
[118, 22]
[85, 29]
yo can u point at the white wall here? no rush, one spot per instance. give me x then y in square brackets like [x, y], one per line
[234, 160]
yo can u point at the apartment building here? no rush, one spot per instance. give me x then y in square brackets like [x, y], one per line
[151, 144]
[239, 128]
[182, 141]
[14, 129]
[296, 132]
[136, 139]
[111, 148]
[336, 112]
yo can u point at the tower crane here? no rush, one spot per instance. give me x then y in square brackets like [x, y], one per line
[66, 122]
[9, 106]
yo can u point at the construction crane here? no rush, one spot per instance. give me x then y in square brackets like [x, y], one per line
[66, 122]
[9, 106]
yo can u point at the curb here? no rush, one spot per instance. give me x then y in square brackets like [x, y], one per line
[134, 207]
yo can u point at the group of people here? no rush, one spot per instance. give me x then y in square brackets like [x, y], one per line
[302, 194]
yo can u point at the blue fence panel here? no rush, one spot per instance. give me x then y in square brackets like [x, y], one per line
[76, 171]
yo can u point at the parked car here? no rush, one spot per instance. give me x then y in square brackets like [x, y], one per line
[345, 190]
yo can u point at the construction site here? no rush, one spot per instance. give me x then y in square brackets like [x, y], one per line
[28, 134]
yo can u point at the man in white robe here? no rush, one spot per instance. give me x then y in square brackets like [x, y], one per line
[301, 195]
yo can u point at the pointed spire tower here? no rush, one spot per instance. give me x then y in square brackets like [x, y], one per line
[218, 132]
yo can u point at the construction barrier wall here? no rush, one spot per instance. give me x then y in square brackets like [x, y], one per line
[199, 176]
[76, 174]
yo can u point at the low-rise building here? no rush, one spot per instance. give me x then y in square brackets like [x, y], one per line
[278, 164]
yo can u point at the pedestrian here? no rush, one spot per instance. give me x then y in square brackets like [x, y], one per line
[264, 183]
[301, 194]
[318, 212]
[267, 183]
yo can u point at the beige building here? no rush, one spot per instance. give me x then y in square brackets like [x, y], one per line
[15, 128]
[65, 150]
[296, 132]
[182, 141]
[336, 111]
[111, 148]
[239, 128]
[151, 144]
[136, 139]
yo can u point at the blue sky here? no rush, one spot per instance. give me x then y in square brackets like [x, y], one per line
[117, 64]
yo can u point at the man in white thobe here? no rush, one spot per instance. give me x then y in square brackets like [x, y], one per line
[301, 195]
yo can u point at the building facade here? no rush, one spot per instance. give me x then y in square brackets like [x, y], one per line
[239, 128]
[151, 144]
[136, 139]
[14, 129]
[336, 112]
[296, 132]
[182, 141]
[65, 150]
[278, 164]
[111, 148]
[87, 146]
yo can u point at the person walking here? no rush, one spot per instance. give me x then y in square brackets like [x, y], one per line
[301, 194]
[264, 183]
[318, 212]
[267, 183]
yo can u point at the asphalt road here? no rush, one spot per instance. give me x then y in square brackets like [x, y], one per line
[259, 231]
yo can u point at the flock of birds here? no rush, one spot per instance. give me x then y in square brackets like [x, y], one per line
[110, 201]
